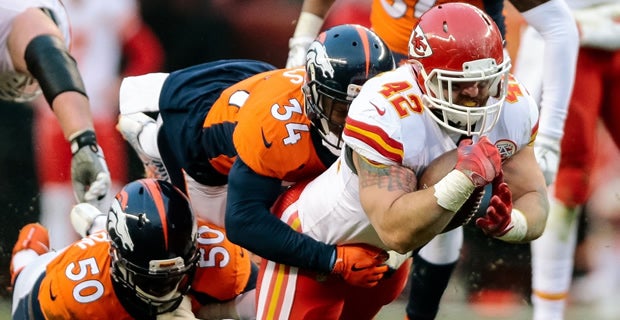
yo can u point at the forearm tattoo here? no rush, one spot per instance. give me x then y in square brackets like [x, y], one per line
[392, 178]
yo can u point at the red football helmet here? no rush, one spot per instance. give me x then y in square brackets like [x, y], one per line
[457, 44]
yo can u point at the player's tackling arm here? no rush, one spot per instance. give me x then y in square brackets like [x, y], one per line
[250, 224]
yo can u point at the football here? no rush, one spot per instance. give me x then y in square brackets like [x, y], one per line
[438, 169]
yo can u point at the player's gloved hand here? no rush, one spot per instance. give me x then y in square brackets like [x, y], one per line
[480, 162]
[360, 264]
[497, 221]
[89, 171]
[298, 46]
[87, 219]
[547, 152]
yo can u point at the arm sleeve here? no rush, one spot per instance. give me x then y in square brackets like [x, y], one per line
[250, 224]
[554, 22]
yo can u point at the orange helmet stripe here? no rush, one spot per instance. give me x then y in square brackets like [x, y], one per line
[366, 45]
[155, 190]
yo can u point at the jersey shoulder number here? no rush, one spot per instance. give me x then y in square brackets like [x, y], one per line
[272, 135]
[78, 282]
[223, 267]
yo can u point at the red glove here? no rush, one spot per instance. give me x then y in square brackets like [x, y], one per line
[481, 162]
[497, 221]
[360, 264]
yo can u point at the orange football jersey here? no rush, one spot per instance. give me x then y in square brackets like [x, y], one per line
[393, 20]
[223, 267]
[78, 285]
[272, 134]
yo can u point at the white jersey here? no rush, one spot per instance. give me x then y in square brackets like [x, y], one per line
[16, 86]
[97, 29]
[579, 4]
[388, 124]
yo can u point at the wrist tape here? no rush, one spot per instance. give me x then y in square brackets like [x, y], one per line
[308, 25]
[453, 190]
[82, 139]
[519, 227]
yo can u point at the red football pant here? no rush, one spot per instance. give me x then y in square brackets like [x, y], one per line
[594, 98]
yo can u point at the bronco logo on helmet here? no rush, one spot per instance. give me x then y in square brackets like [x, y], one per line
[317, 59]
[118, 223]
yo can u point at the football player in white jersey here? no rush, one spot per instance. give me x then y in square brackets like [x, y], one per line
[593, 102]
[35, 59]
[392, 20]
[454, 91]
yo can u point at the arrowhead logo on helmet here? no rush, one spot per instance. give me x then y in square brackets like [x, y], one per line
[418, 44]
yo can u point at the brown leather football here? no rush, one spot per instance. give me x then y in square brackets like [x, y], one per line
[438, 169]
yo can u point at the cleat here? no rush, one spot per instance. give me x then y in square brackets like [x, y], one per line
[131, 126]
[32, 236]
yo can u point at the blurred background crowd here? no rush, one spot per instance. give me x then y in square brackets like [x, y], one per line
[117, 38]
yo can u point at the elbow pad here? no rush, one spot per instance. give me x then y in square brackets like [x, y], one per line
[54, 68]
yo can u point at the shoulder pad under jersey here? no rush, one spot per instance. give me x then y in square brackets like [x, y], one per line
[272, 135]
[222, 118]
[78, 282]
[222, 281]
[374, 123]
[519, 104]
